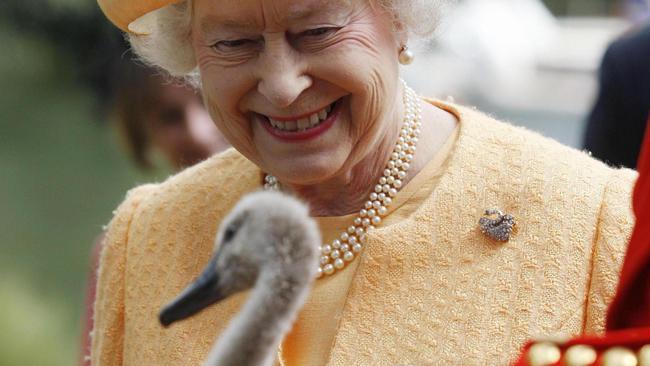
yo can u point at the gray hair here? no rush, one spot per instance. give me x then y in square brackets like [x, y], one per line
[167, 44]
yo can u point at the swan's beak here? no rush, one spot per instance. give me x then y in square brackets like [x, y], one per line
[197, 296]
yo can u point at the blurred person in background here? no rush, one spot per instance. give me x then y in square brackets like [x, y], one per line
[617, 122]
[156, 114]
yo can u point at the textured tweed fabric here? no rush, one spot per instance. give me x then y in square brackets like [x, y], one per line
[430, 289]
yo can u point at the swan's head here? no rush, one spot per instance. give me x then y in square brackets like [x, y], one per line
[267, 235]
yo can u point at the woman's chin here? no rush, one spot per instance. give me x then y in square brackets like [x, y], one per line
[306, 171]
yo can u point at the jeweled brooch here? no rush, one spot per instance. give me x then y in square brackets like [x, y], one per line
[497, 225]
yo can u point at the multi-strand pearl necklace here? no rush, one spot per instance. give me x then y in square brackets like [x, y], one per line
[336, 254]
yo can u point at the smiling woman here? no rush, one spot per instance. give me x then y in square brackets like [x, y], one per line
[308, 92]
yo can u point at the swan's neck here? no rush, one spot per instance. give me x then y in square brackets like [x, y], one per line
[254, 335]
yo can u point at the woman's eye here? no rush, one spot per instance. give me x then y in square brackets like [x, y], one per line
[316, 32]
[232, 44]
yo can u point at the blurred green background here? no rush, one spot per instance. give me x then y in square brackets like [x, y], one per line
[62, 172]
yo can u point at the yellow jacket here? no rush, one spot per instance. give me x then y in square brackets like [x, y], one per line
[431, 289]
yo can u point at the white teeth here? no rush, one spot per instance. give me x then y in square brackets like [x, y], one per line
[313, 119]
[277, 124]
[290, 126]
[303, 123]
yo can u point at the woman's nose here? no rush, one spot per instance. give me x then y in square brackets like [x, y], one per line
[282, 77]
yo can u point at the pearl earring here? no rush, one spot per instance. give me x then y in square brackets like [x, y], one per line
[405, 55]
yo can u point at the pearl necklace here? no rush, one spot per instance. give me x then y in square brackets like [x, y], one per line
[337, 254]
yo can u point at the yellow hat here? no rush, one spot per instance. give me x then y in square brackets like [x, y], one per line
[124, 13]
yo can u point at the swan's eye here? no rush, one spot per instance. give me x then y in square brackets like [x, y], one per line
[230, 232]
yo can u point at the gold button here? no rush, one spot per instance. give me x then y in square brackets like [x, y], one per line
[579, 355]
[619, 356]
[644, 355]
[543, 354]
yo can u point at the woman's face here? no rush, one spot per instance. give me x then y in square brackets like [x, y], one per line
[180, 127]
[306, 89]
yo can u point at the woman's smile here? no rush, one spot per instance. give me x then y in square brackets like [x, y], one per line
[303, 127]
[308, 90]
